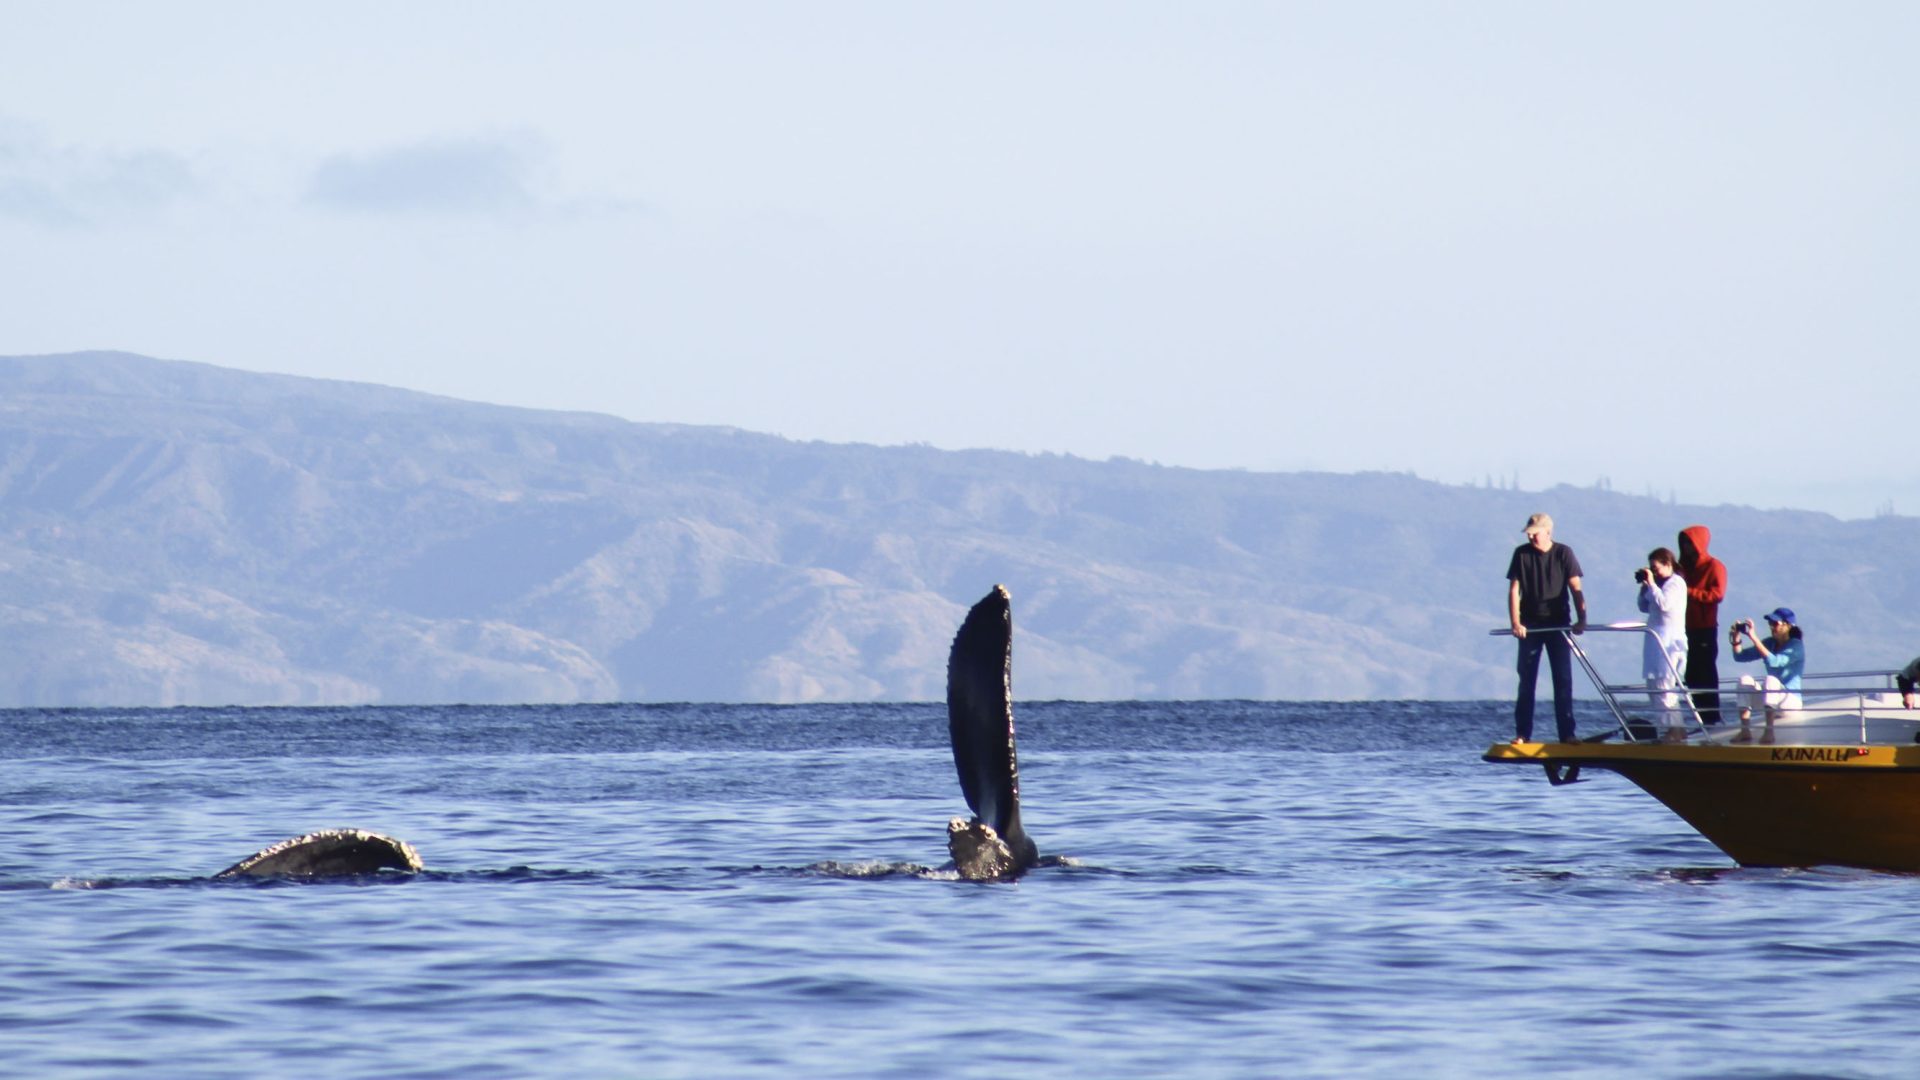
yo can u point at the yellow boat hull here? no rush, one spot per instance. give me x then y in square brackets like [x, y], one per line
[1834, 805]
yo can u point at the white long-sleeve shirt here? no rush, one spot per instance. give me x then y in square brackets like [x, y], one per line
[1665, 603]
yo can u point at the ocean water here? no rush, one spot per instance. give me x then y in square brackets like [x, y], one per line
[1249, 889]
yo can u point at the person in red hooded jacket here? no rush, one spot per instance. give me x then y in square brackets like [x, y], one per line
[1706, 579]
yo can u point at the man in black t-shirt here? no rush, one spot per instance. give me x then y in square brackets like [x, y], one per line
[1541, 578]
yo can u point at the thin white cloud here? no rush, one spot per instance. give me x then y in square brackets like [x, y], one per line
[72, 186]
[455, 176]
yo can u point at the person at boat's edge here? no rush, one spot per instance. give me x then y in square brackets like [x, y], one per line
[1706, 579]
[1544, 602]
[1908, 677]
[1785, 654]
[1663, 597]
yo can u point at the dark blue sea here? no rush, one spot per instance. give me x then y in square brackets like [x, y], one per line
[1249, 890]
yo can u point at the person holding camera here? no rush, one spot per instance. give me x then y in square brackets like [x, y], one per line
[1663, 597]
[1542, 577]
[1785, 656]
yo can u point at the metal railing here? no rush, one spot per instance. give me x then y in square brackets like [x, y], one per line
[1818, 693]
[1831, 697]
[1609, 692]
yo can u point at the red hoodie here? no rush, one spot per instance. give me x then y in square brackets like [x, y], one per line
[1706, 581]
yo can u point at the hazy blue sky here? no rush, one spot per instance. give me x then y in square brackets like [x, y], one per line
[1672, 245]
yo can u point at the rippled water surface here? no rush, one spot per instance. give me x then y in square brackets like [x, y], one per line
[1252, 889]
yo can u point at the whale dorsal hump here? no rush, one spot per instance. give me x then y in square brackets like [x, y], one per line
[328, 853]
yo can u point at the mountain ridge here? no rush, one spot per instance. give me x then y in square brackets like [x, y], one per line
[180, 533]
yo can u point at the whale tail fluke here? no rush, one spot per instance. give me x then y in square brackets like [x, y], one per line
[328, 853]
[980, 724]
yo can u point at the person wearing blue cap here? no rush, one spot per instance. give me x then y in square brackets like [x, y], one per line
[1785, 656]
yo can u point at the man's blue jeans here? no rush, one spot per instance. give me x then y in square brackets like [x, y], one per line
[1560, 662]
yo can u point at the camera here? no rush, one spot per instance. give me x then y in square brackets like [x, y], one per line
[1641, 575]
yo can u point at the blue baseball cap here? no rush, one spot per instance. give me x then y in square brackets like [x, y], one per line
[1782, 614]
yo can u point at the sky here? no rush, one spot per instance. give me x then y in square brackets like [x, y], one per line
[1666, 248]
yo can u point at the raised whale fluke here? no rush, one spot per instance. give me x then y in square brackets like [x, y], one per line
[980, 722]
[328, 853]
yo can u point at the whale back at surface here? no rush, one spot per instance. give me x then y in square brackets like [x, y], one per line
[980, 717]
[328, 853]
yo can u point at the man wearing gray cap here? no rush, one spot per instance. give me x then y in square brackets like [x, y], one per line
[1541, 578]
